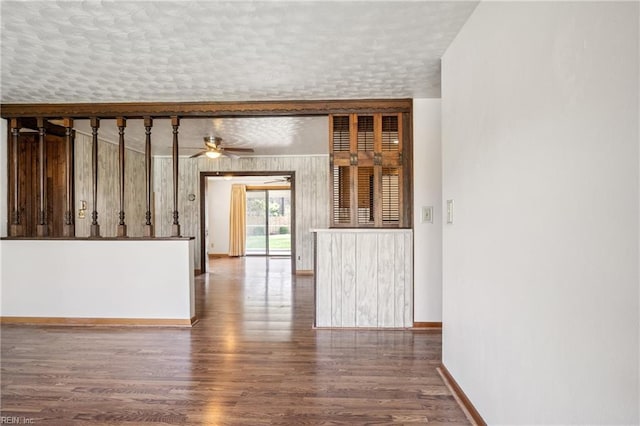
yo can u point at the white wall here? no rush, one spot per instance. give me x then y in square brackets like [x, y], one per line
[219, 201]
[540, 268]
[427, 191]
[74, 279]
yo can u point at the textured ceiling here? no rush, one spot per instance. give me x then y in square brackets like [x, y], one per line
[128, 51]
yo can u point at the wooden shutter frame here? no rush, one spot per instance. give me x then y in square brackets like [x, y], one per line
[377, 159]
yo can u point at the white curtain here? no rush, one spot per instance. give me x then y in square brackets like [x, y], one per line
[237, 220]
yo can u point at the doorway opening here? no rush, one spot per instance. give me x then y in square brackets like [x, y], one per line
[268, 220]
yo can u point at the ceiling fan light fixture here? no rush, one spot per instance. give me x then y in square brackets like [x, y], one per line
[212, 154]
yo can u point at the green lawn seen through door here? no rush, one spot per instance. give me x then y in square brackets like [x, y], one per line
[276, 241]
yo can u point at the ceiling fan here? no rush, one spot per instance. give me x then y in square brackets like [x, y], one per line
[215, 149]
[284, 180]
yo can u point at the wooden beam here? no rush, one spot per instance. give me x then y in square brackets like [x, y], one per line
[206, 109]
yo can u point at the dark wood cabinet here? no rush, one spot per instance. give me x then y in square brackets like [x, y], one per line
[28, 184]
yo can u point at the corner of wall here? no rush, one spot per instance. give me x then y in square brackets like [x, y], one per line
[427, 192]
[638, 136]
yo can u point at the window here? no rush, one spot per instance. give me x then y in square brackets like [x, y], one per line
[370, 170]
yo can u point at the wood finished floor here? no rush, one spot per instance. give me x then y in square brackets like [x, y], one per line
[253, 359]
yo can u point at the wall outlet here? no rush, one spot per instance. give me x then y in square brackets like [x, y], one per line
[426, 214]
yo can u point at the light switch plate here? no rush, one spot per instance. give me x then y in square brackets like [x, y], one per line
[449, 211]
[426, 215]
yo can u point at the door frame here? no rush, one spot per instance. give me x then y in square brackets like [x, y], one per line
[235, 173]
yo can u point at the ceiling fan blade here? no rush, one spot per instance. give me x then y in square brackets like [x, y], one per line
[237, 149]
[198, 154]
[230, 155]
[284, 180]
[190, 147]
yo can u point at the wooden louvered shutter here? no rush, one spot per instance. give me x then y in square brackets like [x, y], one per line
[368, 171]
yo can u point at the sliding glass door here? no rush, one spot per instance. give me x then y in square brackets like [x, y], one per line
[269, 222]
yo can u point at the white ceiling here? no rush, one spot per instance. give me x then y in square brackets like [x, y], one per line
[139, 51]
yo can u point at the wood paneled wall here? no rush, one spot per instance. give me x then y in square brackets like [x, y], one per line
[311, 197]
[108, 188]
[364, 279]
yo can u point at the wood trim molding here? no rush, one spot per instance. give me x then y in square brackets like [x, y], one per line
[427, 325]
[205, 109]
[218, 255]
[461, 397]
[268, 187]
[136, 322]
[203, 199]
[97, 239]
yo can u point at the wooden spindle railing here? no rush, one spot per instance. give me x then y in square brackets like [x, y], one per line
[148, 227]
[16, 228]
[95, 226]
[122, 226]
[42, 229]
[69, 229]
[175, 228]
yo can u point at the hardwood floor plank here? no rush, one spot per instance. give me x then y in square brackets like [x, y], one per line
[253, 359]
